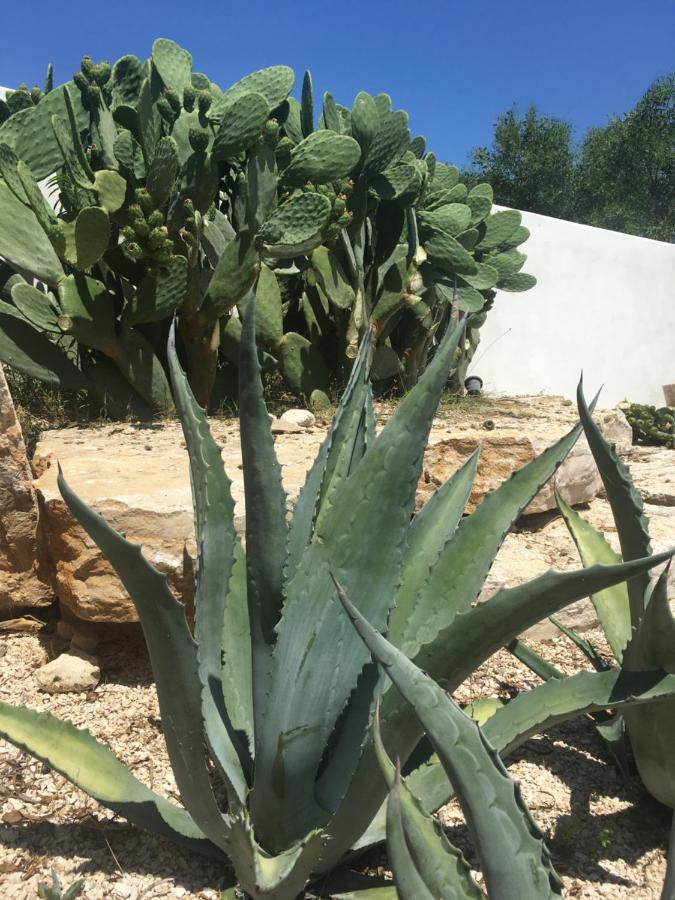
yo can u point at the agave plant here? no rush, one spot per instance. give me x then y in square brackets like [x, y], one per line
[637, 621]
[169, 193]
[272, 693]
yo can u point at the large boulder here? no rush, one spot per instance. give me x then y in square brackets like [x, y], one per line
[24, 579]
[501, 454]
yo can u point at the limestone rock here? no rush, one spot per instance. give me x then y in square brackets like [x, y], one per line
[617, 430]
[137, 477]
[502, 454]
[653, 471]
[72, 672]
[144, 494]
[302, 417]
[24, 579]
[281, 427]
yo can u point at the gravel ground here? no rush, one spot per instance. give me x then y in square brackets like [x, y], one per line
[607, 836]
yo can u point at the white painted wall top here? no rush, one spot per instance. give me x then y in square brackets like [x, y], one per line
[604, 302]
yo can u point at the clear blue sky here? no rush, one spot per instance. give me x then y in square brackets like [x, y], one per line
[454, 66]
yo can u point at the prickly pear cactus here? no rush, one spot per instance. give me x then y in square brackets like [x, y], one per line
[142, 191]
[651, 425]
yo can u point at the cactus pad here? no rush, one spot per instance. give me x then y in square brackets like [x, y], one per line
[242, 126]
[173, 63]
[274, 83]
[480, 200]
[268, 313]
[322, 156]
[498, 228]
[86, 239]
[449, 256]
[301, 365]
[453, 218]
[365, 120]
[158, 296]
[296, 226]
[37, 307]
[519, 281]
[111, 189]
[30, 134]
[23, 242]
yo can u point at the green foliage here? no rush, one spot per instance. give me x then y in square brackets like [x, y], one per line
[636, 618]
[531, 163]
[273, 692]
[170, 194]
[622, 176]
[651, 425]
[627, 168]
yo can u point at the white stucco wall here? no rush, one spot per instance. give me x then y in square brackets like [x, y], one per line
[604, 302]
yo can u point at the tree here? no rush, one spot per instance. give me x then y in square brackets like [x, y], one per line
[627, 169]
[622, 177]
[530, 165]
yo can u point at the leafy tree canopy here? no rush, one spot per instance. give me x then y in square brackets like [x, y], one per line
[621, 176]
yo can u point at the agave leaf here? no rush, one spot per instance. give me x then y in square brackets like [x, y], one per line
[346, 743]
[611, 605]
[530, 658]
[173, 655]
[90, 765]
[480, 631]
[348, 441]
[431, 530]
[545, 706]
[409, 882]
[514, 859]
[362, 541]
[626, 504]
[216, 538]
[442, 867]
[266, 530]
[451, 657]
[612, 733]
[346, 884]
[338, 443]
[237, 673]
[383, 892]
[610, 730]
[457, 578]
[651, 728]
[585, 646]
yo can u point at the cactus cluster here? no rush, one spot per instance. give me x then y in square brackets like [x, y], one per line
[168, 195]
[299, 696]
[651, 425]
